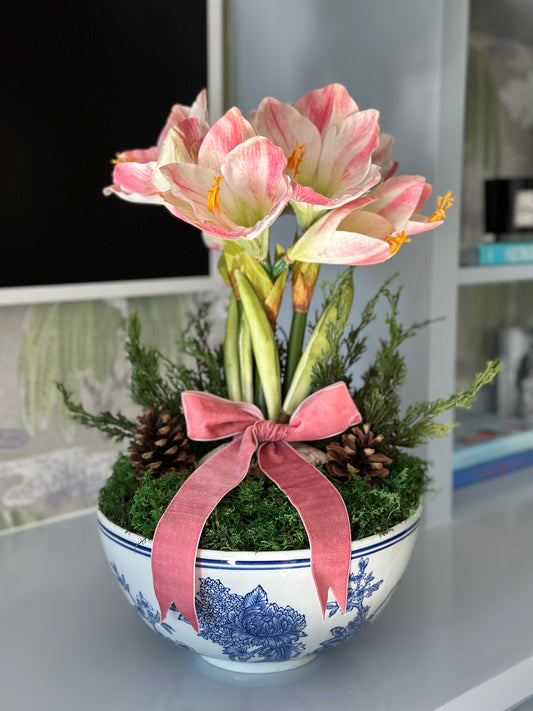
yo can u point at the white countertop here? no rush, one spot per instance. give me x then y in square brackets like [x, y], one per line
[457, 634]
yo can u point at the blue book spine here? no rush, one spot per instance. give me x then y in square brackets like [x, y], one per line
[505, 253]
[493, 449]
[486, 470]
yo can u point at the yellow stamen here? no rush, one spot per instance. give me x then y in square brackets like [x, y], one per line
[117, 160]
[396, 241]
[295, 159]
[213, 193]
[443, 204]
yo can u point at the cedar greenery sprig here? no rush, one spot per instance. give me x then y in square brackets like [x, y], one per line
[148, 384]
[348, 346]
[115, 427]
[208, 371]
[378, 399]
[157, 381]
[418, 424]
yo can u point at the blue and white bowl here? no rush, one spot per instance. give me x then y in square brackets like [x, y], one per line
[259, 612]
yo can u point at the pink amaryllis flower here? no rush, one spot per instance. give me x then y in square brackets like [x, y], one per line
[372, 228]
[135, 173]
[328, 143]
[237, 186]
[382, 156]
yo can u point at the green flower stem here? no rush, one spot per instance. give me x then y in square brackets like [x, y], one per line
[334, 318]
[246, 359]
[263, 344]
[294, 347]
[231, 351]
[259, 398]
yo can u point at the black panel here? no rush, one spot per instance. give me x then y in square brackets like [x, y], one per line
[83, 80]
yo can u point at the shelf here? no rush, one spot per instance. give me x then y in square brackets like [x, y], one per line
[495, 274]
[459, 625]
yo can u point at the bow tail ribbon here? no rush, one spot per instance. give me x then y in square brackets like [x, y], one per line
[323, 513]
[318, 503]
[178, 532]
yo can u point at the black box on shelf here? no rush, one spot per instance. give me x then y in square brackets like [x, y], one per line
[509, 209]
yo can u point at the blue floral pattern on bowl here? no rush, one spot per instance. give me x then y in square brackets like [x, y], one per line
[360, 589]
[248, 626]
[141, 604]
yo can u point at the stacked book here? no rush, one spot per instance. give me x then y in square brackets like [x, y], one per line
[487, 446]
[497, 253]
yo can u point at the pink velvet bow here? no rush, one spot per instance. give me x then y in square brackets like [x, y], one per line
[326, 413]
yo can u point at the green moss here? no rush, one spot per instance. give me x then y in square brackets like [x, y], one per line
[116, 496]
[256, 515]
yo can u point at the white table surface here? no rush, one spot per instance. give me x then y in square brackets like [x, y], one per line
[457, 634]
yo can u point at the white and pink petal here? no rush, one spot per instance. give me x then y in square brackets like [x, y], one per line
[134, 182]
[294, 133]
[179, 112]
[327, 106]
[330, 239]
[346, 155]
[398, 198]
[225, 135]
[254, 182]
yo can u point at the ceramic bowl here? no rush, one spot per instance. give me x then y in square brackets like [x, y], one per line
[259, 612]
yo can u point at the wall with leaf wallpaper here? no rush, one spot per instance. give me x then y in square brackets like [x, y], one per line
[48, 465]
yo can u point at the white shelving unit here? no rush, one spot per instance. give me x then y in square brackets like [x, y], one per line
[457, 635]
[468, 276]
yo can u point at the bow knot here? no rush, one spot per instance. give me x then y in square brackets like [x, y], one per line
[268, 431]
[325, 413]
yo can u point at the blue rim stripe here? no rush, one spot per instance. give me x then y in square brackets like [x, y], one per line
[213, 563]
[124, 543]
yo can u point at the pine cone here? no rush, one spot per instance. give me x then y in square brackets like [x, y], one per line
[160, 444]
[356, 454]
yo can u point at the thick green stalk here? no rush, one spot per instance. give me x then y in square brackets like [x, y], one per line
[294, 347]
[334, 317]
[263, 344]
[246, 360]
[259, 398]
[231, 351]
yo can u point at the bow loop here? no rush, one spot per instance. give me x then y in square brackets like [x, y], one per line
[210, 417]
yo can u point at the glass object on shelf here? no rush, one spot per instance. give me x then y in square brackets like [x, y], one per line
[485, 312]
[495, 437]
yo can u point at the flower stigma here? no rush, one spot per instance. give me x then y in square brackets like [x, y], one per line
[396, 241]
[213, 195]
[117, 160]
[443, 204]
[295, 159]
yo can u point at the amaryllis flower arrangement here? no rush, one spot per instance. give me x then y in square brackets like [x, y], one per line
[324, 159]
[295, 465]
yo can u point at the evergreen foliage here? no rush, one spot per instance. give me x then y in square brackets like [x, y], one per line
[157, 381]
[256, 515]
[115, 427]
[348, 345]
[378, 398]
